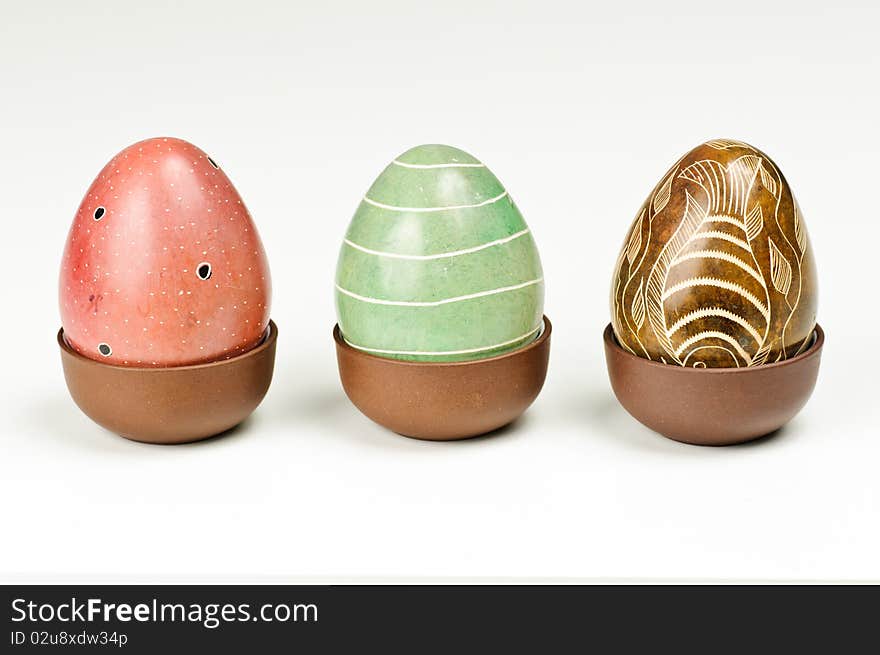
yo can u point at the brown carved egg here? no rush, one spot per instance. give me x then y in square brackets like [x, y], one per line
[717, 269]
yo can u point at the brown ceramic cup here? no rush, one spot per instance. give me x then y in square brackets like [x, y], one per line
[171, 405]
[712, 406]
[442, 401]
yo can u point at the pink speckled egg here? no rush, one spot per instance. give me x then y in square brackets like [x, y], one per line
[163, 265]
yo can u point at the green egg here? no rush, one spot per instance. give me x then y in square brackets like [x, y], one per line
[438, 263]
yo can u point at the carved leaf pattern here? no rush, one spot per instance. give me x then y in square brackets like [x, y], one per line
[694, 217]
[780, 269]
[768, 181]
[761, 356]
[799, 232]
[727, 193]
[635, 240]
[724, 144]
[747, 166]
[638, 306]
[661, 198]
[754, 222]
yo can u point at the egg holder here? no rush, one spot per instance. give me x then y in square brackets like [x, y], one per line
[443, 401]
[170, 405]
[712, 406]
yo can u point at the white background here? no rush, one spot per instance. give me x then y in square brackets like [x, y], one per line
[579, 110]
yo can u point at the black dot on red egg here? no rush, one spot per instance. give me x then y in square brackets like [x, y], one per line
[213, 163]
[105, 349]
[99, 213]
[204, 271]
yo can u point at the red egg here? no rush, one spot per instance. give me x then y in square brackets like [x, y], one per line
[163, 265]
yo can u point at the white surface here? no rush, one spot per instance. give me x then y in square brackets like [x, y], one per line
[579, 111]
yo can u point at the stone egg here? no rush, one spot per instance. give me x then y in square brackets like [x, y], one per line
[438, 263]
[163, 265]
[717, 269]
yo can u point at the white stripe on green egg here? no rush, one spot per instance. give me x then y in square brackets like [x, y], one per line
[416, 210]
[439, 255]
[520, 340]
[447, 165]
[440, 266]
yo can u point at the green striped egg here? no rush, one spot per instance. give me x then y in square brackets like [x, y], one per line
[438, 263]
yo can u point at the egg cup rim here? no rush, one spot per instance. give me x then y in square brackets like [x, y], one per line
[547, 328]
[270, 336]
[814, 349]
